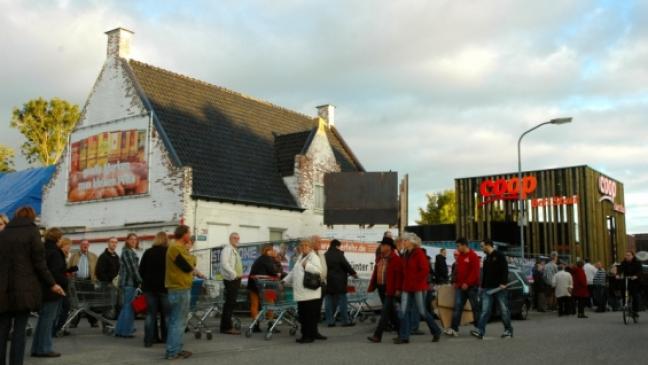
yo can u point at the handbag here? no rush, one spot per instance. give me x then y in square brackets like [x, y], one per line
[312, 281]
[139, 304]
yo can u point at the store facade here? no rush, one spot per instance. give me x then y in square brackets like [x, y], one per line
[577, 211]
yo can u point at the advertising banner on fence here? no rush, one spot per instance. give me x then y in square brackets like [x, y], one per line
[361, 256]
[108, 165]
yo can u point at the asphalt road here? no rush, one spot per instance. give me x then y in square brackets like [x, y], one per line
[542, 339]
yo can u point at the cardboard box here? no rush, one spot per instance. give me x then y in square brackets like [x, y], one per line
[445, 306]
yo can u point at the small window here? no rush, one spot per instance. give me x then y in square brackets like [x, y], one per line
[276, 234]
[318, 193]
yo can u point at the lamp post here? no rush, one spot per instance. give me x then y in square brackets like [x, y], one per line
[521, 204]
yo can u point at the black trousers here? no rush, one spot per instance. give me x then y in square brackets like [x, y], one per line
[309, 313]
[17, 320]
[582, 303]
[387, 316]
[231, 291]
[564, 305]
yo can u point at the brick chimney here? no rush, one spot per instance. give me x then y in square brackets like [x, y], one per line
[119, 43]
[327, 113]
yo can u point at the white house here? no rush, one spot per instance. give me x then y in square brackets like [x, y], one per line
[154, 149]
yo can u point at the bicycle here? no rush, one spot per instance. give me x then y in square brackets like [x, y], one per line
[627, 311]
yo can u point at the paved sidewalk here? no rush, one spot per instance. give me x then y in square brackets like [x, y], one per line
[543, 339]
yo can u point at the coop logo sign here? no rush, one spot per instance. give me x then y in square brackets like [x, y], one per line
[608, 188]
[507, 189]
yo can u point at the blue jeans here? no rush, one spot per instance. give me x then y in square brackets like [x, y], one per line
[412, 302]
[126, 320]
[487, 308]
[19, 322]
[460, 301]
[42, 342]
[333, 302]
[178, 315]
[156, 303]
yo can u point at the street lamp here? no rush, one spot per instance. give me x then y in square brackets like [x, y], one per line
[556, 121]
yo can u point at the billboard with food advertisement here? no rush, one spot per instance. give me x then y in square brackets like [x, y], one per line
[108, 165]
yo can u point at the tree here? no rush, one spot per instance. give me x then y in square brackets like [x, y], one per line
[441, 209]
[6, 159]
[46, 125]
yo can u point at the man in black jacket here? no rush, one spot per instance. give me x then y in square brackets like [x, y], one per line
[339, 270]
[494, 284]
[441, 268]
[106, 271]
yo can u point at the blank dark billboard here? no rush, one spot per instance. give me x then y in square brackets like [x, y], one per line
[361, 198]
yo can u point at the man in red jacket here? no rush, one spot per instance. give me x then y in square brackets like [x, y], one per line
[466, 283]
[387, 278]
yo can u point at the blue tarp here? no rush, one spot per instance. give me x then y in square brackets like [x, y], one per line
[22, 188]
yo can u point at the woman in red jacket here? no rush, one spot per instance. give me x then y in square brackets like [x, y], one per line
[387, 278]
[580, 292]
[415, 273]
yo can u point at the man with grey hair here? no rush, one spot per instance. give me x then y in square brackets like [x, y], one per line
[231, 268]
[550, 270]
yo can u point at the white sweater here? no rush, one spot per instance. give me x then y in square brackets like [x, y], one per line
[296, 278]
[563, 282]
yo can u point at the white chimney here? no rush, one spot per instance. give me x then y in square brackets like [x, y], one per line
[327, 112]
[119, 43]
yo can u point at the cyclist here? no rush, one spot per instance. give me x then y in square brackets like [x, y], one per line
[631, 268]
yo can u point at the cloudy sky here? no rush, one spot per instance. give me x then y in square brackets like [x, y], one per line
[435, 89]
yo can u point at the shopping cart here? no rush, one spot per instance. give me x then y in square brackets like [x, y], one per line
[279, 302]
[207, 301]
[92, 299]
[357, 296]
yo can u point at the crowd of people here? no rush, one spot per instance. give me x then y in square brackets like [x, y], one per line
[37, 270]
[570, 289]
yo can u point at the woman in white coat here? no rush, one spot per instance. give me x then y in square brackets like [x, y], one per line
[308, 300]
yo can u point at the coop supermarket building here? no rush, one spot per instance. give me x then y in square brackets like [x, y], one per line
[577, 211]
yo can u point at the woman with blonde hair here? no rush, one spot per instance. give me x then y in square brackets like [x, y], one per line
[129, 281]
[152, 270]
[307, 291]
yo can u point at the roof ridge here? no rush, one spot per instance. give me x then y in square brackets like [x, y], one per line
[237, 93]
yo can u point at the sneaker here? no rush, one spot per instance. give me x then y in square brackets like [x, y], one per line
[185, 354]
[436, 338]
[477, 334]
[507, 335]
[374, 339]
[451, 332]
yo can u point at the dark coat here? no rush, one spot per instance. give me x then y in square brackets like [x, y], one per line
[441, 269]
[107, 267]
[495, 271]
[264, 265]
[22, 267]
[152, 269]
[394, 275]
[416, 268]
[338, 273]
[58, 267]
[628, 269]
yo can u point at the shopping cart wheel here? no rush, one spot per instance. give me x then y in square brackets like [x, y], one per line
[362, 317]
[209, 335]
[268, 336]
[198, 335]
[292, 331]
[248, 332]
